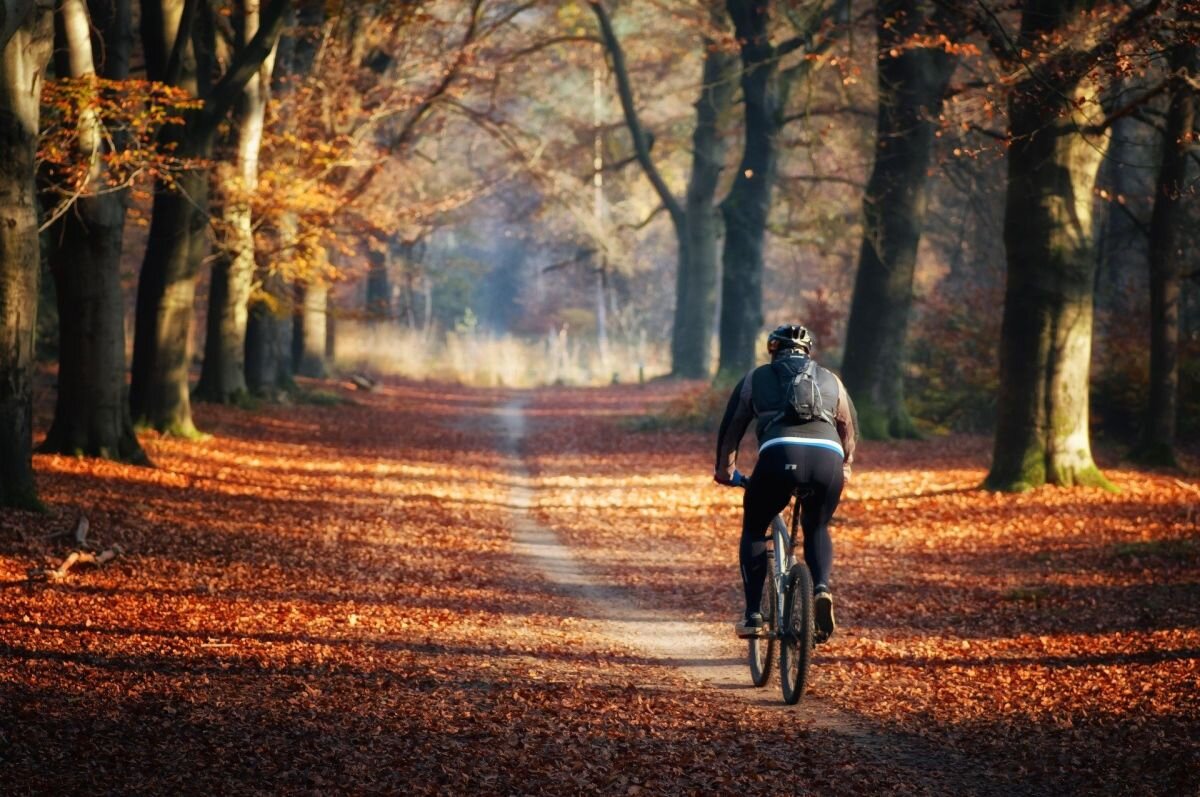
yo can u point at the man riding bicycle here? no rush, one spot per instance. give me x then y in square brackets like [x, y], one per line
[807, 429]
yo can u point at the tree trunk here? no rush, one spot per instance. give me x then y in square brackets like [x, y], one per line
[912, 84]
[158, 392]
[178, 239]
[1042, 415]
[268, 353]
[91, 414]
[330, 326]
[309, 329]
[178, 243]
[691, 341]
[379, 287]
[223, 374]
[1158, 434]
[748, 204]
[13, 15]
[696, 283]
[22, 64]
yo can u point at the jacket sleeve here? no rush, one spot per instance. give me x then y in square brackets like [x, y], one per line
[846, 419]
[738, 414]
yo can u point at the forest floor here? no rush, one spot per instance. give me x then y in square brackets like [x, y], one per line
[431, 590]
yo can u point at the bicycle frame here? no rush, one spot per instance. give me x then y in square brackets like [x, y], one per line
[781, 566]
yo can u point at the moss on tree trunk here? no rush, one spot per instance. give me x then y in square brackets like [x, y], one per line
[1042, 431]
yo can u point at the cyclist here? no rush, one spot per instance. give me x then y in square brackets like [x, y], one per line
[807, 429]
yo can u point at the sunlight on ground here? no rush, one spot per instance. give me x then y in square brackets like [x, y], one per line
[315, 590]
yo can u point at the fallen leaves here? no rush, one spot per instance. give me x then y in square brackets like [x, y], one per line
[1055, 635]
[324, 599]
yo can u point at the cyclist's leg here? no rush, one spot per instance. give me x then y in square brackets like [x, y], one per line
[769, 492]
[821, 477]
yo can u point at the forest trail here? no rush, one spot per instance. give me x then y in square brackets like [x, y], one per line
[667, 638]
[422, 590]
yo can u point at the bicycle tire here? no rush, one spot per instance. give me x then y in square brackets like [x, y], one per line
[761, 650]
[796, 634]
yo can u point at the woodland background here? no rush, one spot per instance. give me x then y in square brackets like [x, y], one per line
[276, 276]
[982, 212]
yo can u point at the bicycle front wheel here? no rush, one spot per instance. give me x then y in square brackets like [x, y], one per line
[796, 633]
[762, 649]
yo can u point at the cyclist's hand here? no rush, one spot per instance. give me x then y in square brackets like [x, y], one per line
[845, 474]
[736, 480]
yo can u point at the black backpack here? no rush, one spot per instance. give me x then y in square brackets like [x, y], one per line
[803, 400]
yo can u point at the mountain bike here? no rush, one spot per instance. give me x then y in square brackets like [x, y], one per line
[789, 585]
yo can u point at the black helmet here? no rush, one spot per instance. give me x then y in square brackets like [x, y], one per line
[789, 336]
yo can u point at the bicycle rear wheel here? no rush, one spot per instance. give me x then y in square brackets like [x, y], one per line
[762, 649]
[796, 633]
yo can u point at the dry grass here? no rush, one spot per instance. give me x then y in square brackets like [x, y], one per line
[484, 360]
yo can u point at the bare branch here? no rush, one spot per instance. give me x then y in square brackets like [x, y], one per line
[625, 91]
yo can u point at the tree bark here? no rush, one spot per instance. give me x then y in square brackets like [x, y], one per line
[91, 413]
[746, 208]
[696, 284]
[1042, 431]
[912, 84]
[22, 65]
[177, 244]
[13, 14]
[268, 351]
[223, 373]
[1157, 446]
[178, 239]
[379, 286]
[268, 354]
[310, 327]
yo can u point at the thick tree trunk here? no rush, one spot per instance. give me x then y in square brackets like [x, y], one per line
[1158, 434]
[696, 283]
[13, 14]
[379, 287]
[310, 328]
[22, 64]
[748, 204]
[91, 414]
[178, 239]
[268, 351]
[330, 327]
[1042, 415]
[177, 245]
[912, 84]
[223, 374]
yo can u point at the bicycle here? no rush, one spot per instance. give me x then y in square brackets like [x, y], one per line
[789, 584]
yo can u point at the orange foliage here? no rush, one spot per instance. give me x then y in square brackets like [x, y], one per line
[326, 599]
[131, 114]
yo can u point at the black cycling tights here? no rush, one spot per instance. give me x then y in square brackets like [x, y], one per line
[780, 471]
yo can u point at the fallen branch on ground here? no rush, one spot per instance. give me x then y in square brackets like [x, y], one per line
[74, 558]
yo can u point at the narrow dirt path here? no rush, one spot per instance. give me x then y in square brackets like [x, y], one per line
[717, 664]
